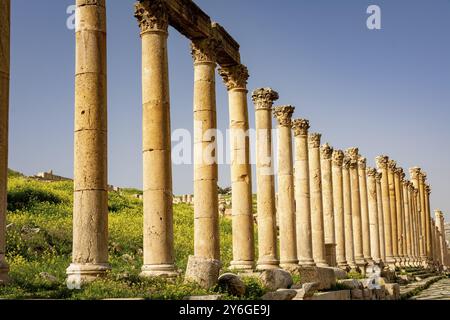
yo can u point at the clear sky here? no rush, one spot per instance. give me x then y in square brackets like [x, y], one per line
[385, 91]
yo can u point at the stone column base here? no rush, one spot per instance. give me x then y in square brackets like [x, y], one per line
[4, 269]
[79, 274]
[160, 270]
[307, 263]
[242, 266]
[289, 265]
[267, 265]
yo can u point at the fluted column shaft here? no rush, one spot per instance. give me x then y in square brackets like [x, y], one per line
[373, 215]
[90, 205]
[380, 218]
[429, 229]
[353, 154]
[267, 232]
[235, 78]
[315, 177]
[156, 147]
[393, 210]
[326, 153]
[382, 164]
[349, 243]
[338, 206]
[365, 219]
[286, 201]
[302, 193]
[399, 212]
[5, 21]
[416, 178]
[407, 216]
[206, 216]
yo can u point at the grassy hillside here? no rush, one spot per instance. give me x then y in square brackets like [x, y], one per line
[39, 244]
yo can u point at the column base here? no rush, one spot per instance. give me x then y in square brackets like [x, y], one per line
[344, 266]
[159, 271]
[79, 274]
[267, 265]
[242, 266]
[291, 265]
[307, 263]
[4, 269]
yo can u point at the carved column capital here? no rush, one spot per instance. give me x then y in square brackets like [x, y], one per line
[263, 98]
[205, 50]
[300, 127]
[314, 140]
[415, 173]
[378, 176]
[382, 162]
[283, 114]
[326, 152]
[235, 77]
[353, 155]
[428, 189]
[362, 163]
[151, 15]
[337, 158]
[392, 165]
[372, 172]
[346, 163]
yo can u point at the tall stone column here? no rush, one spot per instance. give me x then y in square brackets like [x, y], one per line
[326, 153]
[206, 223]
[373, 215]
[235, 78]
[365, 219]
[159, 257]
[416, 178]
[286, 201]
[267, 229]
[315, 178]
[338, 205]
[414, 230]
[430, 244]
[392, 165]
[302, 193]
[407, 215]
[378, 177]
[5, 19]
[441, 227]
[353, 154]
[399, 211]
[382, 164]
[347, 187]
[90, 205]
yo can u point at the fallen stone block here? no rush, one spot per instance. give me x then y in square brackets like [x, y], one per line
[203, 298]
[394, 290]
[204, 272]
[325, 277]
[232, 284]
[357, 294]
[280, 295]
[350, 284]
[332, 295]
[275, 279]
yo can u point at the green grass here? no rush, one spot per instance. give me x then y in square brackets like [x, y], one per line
[39, 239]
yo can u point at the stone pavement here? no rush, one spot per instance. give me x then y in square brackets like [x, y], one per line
[438, 291]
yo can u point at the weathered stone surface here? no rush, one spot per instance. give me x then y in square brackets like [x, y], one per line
[324, 276]
[203, 298]
[332, 295]
[351, 283]
[232, 284]
[339, 273]
[367, 294]
[275, 279]
[357, 294]
[282, 294]
[306, 291]
[394, 290]
[204, 272]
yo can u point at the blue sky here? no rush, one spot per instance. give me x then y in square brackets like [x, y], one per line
[385, 91]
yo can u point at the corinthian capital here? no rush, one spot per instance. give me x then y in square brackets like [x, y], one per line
[371, 172]
[428, 189]
[362, 163]
[382, 162]
[205, 50]
[314, 140]
[326, 152]
[338, 158]
[151, 15]
[283, 114]
[378, 176]
[392, 165]
[415, 173]
[346, 163]
[353, 154]
[300, 127]
[263, 98]
[235, 77]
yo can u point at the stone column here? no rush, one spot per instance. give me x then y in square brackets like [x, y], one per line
[235, 78]
[159, 257]
[5, 18]
[267, 229]
[286, 201]
[373, 215]
[365, 219]
[392, 165]
[414, 228]
[326, 153]
[338, 205]
[346, 186]
[206, 225]
[416, 178]
[315, 178]
[399, 211]
[433, 240]
[407, 215]
[302, 193]
[427, 189]
[382, 164]
[90, 205]
[378, 177]
[441, 227]
[353, 154]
